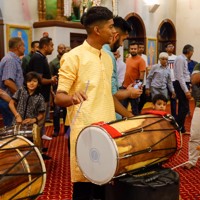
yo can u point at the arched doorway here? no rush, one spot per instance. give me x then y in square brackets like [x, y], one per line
[166, 33]
[138, 32]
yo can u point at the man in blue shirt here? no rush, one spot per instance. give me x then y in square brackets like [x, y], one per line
[11, 75]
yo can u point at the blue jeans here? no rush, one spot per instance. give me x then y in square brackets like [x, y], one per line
[6, 113]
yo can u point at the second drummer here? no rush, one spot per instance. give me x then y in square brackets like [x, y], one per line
[27, 104]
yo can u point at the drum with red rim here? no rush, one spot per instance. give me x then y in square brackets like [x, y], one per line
[107, 150]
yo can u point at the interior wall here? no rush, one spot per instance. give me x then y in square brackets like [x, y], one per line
[183, 13]
[188, 26]
[59, 35]
[166, 10]
[18, 12]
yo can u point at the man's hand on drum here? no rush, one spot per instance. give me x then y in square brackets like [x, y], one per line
[134, 93]
[78, 97]
[29, 121]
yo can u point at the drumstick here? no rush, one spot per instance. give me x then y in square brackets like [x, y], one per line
[78, 111]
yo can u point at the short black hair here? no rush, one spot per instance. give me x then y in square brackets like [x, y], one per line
[122, 24]
[140, 43]
[133, 43]
[34, 42]
[44, 41]
[95, 14]
[168, 43]
[187, 48]
[159, 97]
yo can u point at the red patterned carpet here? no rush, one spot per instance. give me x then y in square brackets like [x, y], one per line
[59, 187]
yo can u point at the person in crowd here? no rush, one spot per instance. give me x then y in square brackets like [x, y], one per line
[135, 71]
[54, 67]
[121, 68]
[39, 64]
[85, 88]
[143, 98]
[191, 65]
[194, 142]
[169, 47]
[26, 59]
[182, 84]
[159, 102]
[45, 34]
[11, 75]
[159, 78]
[28, 105]
[122, 29]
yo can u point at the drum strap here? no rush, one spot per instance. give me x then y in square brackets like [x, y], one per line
[109, 129]
[156, 112]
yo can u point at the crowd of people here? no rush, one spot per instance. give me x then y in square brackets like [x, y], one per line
[91, 82]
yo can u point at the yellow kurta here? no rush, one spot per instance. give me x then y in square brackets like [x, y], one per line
[82, 64]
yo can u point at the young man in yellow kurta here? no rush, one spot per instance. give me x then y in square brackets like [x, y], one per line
[87, 67]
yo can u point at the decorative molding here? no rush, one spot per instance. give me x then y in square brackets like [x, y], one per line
[49, 23]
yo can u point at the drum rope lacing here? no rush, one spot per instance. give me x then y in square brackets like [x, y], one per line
[30, 183]
[142, 129]
[20, 160]
[6, 173]
[149, 149]
[146, 166]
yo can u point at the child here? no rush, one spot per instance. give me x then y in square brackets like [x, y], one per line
[159, 102]
[159, 78]
[27, 104]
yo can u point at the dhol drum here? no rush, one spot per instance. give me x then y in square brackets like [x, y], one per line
[108, 150]
[22, 169]
[31, 132]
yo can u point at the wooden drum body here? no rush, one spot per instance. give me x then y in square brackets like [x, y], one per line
[31, 132]
[22, 169]
[108, 150]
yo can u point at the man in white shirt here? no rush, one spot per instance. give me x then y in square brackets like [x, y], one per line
[143, 97]
[169, 47]
[181, 85]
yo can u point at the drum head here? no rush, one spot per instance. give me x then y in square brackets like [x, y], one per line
[97, 155]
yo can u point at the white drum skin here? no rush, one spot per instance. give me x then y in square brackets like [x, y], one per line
[97, 155]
